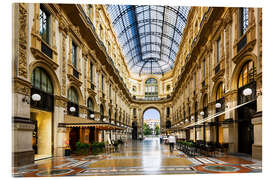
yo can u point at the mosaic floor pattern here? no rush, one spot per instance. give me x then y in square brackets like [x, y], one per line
[147, 157]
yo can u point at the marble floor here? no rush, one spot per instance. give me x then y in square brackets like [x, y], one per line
[147, 157]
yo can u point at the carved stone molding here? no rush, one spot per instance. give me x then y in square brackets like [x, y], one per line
[60, 101]
[21, 86]
[23, 16]
[63, 87]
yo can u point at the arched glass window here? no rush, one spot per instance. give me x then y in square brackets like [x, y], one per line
[247, 74]
[42, 85]
[41, 80]
[220, 91]
[151, 88]
[90, 105]
[220, 98]
[72, 95]
[73, 102]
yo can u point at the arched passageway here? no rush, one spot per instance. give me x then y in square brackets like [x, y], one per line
[151, 121]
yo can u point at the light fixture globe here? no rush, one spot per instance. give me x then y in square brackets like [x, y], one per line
[104, 119]
[247, 92]
[36, 97]
[202, 113]
[186, 120]
[92, 116]
[218, 105]
[72, 109]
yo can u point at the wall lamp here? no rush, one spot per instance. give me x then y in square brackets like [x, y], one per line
[247, 92]
[202, 113]
[72, 109]
[218, 105]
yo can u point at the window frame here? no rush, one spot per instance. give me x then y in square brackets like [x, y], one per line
[243, 20]
[43, 10]
[218, 49]
[74, 54]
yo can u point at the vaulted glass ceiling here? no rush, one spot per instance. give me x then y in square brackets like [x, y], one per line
[149, 35]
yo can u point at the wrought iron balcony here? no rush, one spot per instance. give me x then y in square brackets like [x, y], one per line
[46, 49]
[92, 86]
[241, 43]
[75, 73]
[217, 68]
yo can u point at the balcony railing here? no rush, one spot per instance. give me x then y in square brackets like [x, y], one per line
[241, 43]
[217, 68]
[92, 86]
[46, 50]
[75, 73]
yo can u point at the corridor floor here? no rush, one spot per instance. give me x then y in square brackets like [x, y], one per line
[147, 157]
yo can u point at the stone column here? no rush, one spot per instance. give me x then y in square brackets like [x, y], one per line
[61, 139]
[257, 123]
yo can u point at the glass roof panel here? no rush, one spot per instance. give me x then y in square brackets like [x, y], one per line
[149, 35]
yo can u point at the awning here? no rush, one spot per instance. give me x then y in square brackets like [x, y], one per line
[73, 121]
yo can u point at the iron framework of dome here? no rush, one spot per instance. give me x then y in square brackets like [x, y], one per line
[149, 35]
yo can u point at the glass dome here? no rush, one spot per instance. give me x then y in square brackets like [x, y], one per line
[149, 35]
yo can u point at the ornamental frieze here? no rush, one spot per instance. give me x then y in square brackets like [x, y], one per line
[23, 16]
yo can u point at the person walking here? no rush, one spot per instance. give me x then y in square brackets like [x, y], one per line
[172, 141]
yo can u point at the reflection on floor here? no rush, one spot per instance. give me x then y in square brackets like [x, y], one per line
[138, 158]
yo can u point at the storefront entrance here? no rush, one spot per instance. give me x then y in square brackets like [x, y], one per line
[245, 128]
[74, 137]
[42, 135]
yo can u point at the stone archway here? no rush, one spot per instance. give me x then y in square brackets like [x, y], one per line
[151, 122]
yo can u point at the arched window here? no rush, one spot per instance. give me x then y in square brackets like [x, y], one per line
[246, 80]
[72, 95]
[247, 74]
[220, 100]
[220, 91]
[151, 88]
[41, 81]
[90, 104]
[73, 107]
[42, 85]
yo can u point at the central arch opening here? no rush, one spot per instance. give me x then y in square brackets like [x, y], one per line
[151, 122]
